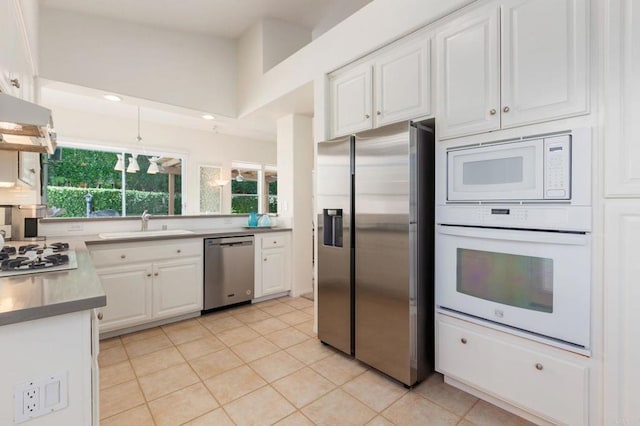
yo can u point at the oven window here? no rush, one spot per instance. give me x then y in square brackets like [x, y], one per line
[521, 281]
[497, 171]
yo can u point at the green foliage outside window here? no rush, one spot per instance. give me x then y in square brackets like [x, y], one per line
[82, 171]
[72, 200]
[244, 198]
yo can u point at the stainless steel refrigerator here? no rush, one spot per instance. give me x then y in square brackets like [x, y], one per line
[375, 206]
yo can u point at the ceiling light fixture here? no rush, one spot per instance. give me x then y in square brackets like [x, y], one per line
[239, 177]
[112, 98]
[208, 117]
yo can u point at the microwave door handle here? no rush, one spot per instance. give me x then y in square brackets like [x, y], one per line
[515, 235]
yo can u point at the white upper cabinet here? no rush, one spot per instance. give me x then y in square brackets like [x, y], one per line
[403, 83]
[16, 69]
[622, 97]
[542, 46]
[544, 60]
[468, 94]
[394, 85]
[351, 100]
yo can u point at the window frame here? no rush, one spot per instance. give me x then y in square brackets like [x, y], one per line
[147, 151]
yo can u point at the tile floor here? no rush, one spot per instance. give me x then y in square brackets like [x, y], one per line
[261, 364]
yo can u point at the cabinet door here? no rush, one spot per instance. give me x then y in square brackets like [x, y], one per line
[622, 97]
[544, 60]
[128, 290]
[351, 101]
[274, 273]
[403, 82]
[16, 69]
[621, 310]
[177, 287]
[469, 75]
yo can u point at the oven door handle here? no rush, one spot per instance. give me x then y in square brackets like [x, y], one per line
[534, 236]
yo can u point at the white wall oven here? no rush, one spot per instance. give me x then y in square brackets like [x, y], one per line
[538, 282]
[513, 243]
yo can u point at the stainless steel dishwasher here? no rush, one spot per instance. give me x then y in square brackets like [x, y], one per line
[228, 271]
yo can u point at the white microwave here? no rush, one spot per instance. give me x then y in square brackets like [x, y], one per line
[549, 168]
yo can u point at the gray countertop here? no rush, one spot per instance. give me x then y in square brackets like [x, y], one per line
[46, 294]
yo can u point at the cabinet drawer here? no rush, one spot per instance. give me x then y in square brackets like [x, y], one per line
[537, 382]
[274, 241]
[126, 253]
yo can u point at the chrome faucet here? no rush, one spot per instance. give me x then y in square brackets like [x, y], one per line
[145, 220]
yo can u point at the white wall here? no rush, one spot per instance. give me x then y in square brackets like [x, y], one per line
[378, 23]
[295, 194]
[201, 147]
[182, 69]
[280, 40]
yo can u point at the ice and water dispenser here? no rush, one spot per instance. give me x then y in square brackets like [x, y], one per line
[332, 227]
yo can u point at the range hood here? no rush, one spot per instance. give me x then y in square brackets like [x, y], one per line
[25, 126]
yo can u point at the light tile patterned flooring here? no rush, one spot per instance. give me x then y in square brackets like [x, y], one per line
[261, 364]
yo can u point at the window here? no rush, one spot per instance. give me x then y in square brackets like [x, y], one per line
[254, 188]
[271, 195]
[82, 182]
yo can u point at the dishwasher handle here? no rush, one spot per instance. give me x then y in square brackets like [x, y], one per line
[236, 244]
[229, 241]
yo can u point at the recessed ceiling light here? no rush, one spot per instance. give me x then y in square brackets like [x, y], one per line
[208, 117]
[113, 98]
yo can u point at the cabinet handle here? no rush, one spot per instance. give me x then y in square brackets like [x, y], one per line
[148, 275]
[179, 251]
[505, 109]
[367, 116]
[265, 259]
[463, 340]
[539, 366]
[155, 274]
[123, 256]
[379, 113]
[15, 83]
[100, 316]
[493, 111]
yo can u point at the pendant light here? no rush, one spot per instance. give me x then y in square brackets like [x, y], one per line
[120, 163]
[153, 166]
[133, 164]
[133, 161]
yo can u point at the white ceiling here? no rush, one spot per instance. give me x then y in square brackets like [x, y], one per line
[221, 18]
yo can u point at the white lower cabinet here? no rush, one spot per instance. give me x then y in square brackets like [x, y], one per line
[128, 290]
[170, 299]
[148, 281]
[272, 265]
[547, 382]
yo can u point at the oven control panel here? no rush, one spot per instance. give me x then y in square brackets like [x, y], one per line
[557, 168]
[555, 217]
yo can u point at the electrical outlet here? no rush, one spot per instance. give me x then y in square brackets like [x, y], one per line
[31, 400]
[39, 397]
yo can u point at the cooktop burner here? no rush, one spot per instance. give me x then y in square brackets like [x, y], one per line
[32, 258]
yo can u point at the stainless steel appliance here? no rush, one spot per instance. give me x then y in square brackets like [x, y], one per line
[33, 258]
[24, 221]
[228, 271]
[513, 236]
[375, 198]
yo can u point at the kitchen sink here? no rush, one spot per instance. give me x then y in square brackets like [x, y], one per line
[143, 234]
